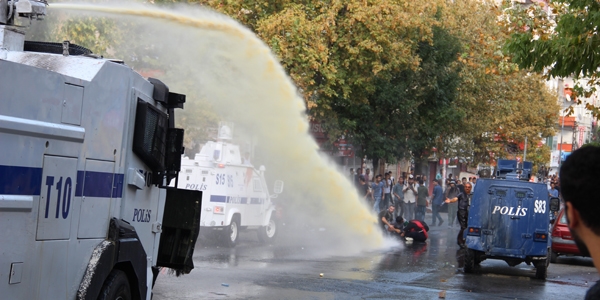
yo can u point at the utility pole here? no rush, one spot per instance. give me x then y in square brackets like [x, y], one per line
[443, 173]
[561, 142]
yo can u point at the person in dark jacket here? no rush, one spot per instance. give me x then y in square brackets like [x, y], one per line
[415, 229]
[451, 198]
[579, 181]
[436, 202]
[464, 201]
[462, 207]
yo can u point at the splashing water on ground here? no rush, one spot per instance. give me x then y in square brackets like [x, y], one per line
[236, 72]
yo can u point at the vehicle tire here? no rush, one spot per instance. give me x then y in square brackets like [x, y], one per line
[230, 234]
[267, 234]
[477, 258]
[115, 287]
[541, 270]
[553, 257]
[469, 261]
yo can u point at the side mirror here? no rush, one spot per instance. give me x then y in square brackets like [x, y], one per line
[552, 221]
[278, 187]
[554, 204]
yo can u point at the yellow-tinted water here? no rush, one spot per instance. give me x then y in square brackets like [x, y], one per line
[234, 70]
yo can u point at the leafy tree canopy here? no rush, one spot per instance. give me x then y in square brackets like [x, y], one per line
[558, 40]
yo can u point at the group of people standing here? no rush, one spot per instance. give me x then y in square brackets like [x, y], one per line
[409, 196]
[408, 199]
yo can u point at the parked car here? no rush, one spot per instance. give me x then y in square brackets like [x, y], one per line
[562, 240]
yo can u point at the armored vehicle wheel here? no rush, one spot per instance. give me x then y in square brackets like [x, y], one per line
[267, 234]
[469, 261]
[477, 258]
[541, 266]
[230, 235]
[116, 287]
[553, 257]
[541, 270]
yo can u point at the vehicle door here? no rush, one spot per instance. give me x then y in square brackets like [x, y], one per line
[55, 212]
[510, 218]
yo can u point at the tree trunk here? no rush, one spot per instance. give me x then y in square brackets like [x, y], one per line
[375, 167]
[422, 167]
[382, 163]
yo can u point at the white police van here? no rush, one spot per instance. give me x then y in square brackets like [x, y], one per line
[235, 195]
[88, 148]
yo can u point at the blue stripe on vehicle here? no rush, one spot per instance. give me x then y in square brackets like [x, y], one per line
[243, 200]
[23, 181]
[79, 184]
[27, 181]
[215, 198]
[117, 188]
[99, 184]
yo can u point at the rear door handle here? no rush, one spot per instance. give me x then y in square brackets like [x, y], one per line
[526, 235]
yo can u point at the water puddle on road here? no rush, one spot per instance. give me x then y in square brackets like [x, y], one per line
[213, 58]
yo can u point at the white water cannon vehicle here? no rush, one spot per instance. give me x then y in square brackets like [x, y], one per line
[88, 150]
[235, 195]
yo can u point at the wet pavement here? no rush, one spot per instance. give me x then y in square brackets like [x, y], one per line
[291, 270]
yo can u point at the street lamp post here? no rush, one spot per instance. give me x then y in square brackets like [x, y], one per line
[561, 142]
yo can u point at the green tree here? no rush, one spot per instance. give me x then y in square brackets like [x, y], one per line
[343, 54]
[406, 114]
[356, 64]
[559, 41]
[501, 103]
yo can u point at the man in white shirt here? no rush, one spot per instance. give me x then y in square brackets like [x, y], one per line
[410, 197]
[387, 191]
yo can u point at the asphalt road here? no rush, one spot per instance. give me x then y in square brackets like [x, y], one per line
[288, 270]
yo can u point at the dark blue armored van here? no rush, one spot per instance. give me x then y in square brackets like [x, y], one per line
[509, 219]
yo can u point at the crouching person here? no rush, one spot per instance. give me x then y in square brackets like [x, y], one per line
[415, 229]
[385, 220]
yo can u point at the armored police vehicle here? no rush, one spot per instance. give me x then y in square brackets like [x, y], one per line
[235, 195]
[88, 148]
[509, 219]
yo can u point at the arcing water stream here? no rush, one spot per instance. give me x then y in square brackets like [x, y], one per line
[236, 72]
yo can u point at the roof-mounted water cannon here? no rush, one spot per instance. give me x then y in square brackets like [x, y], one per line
[12, 36]
[30, 9]
[510, 169]
[225, 131]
